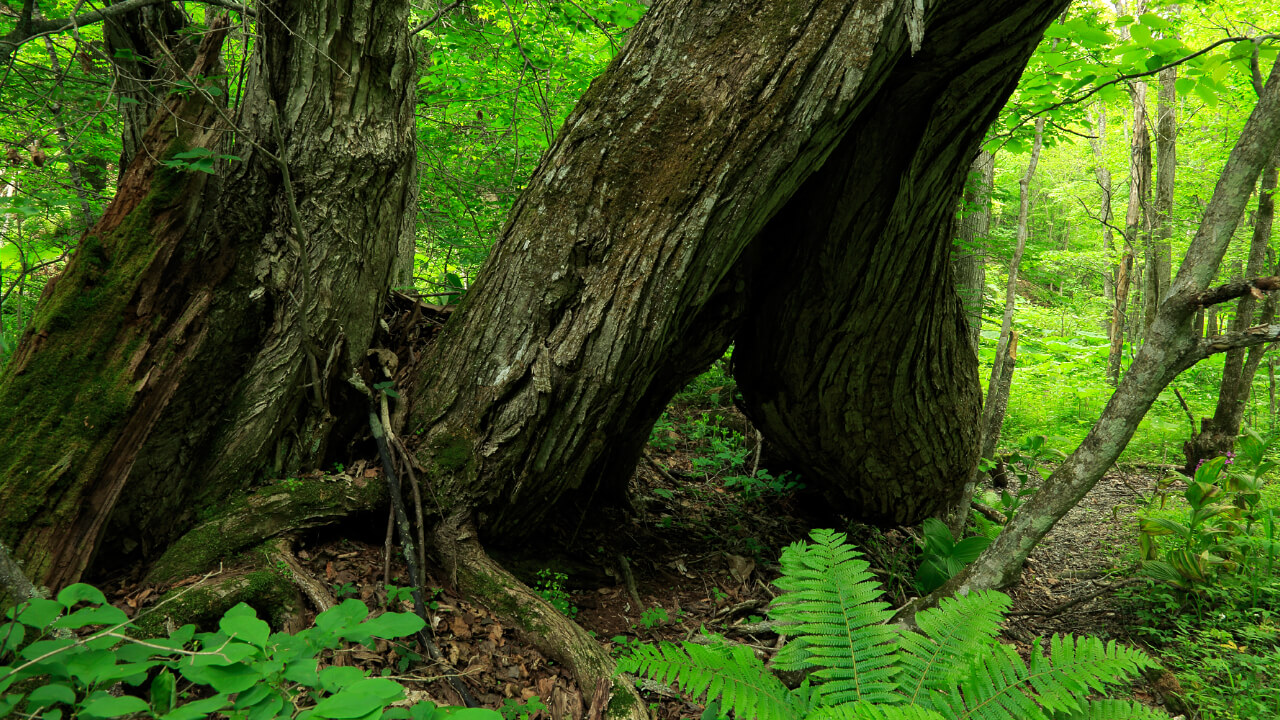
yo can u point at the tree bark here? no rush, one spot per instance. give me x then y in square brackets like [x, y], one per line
[1103, 176]
[1169, 349]
[1166, 166]
[202, 334]
[1218, 434]
[972, 225]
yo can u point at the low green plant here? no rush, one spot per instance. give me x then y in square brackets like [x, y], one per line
[52, 667]
[654, 617]
[515, 710]
[762, 484]
[942, 557]
[550, 586]
[859, 666]
[345, 590]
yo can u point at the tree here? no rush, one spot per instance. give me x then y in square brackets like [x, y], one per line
[203, 331]
[641, 247]
[1169, 349]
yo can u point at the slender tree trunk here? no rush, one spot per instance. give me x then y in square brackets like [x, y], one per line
[972, 227]
[1119, 314]
[1166, 165]
[993, 415]
[1169, 349]
[202, 334]
[1218, 434]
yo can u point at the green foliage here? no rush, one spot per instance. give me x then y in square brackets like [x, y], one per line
[654, 617]
[550, 586]
[943, 557]
[860, 667]
[52, 666]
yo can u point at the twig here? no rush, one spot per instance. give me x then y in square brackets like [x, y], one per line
[989, 512]
[1190, 417]
[661, 470]
[435, 18]
[629, 579]
[1076, 601]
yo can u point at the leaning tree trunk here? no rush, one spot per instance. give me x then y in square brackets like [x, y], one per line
[202, 333]
[1169, 349]
[855, 360]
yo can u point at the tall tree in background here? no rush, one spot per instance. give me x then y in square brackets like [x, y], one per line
[1168, 350]
[1217, 434]
[1102, 175]
[972, 224]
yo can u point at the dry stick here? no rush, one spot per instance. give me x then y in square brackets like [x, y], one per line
[411, 556]
[989, 513]
[1076, 601]
[1190, 417]
[386, 547]
[629, 579]
[661, 470]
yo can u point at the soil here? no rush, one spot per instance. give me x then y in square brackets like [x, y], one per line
[694, 554]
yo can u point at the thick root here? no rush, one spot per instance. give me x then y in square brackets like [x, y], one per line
[269, 512]
[478, 576]
[271, 593]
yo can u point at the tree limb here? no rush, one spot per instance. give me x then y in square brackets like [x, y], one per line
[1239, 288]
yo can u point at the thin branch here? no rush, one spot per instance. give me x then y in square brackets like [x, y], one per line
[1134, 76]
[1191, 418]
[435, 18]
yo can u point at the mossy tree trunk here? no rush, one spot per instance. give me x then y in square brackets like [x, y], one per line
[200, 337]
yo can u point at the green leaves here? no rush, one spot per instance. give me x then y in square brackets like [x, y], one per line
[943, 557]
[244, 664]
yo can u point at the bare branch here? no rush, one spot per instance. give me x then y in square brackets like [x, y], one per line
[435, 18]
[1239, 288]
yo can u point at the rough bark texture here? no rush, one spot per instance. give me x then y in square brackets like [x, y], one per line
[1103, 176]
[1169, 350]
[1137, 215]
[625, 267]
[969, 259]
[208, 337]
[859, 368]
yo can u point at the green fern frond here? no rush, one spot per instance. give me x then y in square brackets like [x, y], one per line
[1076, 667]
[950, 635]
[734, 675]
[1000, 686]
[1113, 710]
[868, 711]
[830, 605]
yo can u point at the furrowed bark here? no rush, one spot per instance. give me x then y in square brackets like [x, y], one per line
[209, 329]
[860, 370]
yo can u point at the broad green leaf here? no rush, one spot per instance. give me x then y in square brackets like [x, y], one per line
[242, 622]
[38, 612]
[80, 592]
[110, 707]
[43, 697]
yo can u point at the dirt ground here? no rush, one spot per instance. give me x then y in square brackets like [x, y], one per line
[694, 554]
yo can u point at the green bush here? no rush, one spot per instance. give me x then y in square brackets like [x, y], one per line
[859, 666]
[50, 668]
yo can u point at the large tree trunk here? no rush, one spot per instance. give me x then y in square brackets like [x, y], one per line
[611, 287]
[202, 334]
[1169, 349]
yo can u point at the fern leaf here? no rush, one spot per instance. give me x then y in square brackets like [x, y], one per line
[950, 635]
[830, 604]
[733, 675]
[868, 711]
[1000, 685]
[1113, 710]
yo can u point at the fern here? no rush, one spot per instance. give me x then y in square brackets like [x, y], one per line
[733, 675]
[831, 607]
[954, 668]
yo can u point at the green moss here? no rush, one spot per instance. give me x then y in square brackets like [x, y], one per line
[620, 704]
[268, 591]
[451, 453]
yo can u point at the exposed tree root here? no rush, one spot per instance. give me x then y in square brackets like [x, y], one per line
[269, 512]
[477, 575]
[269, 592]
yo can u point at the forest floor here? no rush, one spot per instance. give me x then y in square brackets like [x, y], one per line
[694, 554]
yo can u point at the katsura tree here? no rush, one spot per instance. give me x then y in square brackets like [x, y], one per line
[212, 327]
